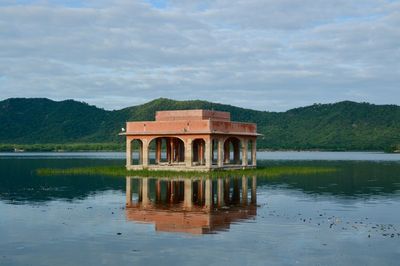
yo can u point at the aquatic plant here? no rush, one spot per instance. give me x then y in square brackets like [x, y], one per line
[272, 171]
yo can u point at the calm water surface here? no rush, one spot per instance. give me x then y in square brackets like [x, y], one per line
[349, 217]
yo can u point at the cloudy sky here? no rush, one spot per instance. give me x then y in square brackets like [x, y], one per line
[262, 54]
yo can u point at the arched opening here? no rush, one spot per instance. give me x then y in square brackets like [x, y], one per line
[158, 148]
[198, 149]
[232, 151]
[136, 152]
[167, 150]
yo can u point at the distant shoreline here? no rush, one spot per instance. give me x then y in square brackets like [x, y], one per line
[112, 147]
[75, 126]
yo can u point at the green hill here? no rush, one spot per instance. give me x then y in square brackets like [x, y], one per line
[339, 126]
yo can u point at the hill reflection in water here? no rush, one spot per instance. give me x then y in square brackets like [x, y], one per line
[19, 183]
[194, 206]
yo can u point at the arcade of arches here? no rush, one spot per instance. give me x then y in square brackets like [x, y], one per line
[184, 152]
[199, 140]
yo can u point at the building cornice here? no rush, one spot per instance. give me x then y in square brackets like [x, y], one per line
[158, 133]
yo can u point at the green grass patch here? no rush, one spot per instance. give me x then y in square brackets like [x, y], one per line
[273, 171]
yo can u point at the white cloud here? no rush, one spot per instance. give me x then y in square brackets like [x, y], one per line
[268, 55]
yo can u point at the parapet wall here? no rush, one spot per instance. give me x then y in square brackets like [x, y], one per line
[191, 115]
[169, 126]
[191, 122]
[237, 127]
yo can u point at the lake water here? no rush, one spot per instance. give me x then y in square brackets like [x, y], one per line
[347, 217]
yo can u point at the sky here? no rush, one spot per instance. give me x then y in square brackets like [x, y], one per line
[262, 54]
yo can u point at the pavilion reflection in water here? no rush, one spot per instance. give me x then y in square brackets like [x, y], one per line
[195, 206]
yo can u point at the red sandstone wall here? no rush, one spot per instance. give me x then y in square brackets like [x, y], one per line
[190, 121]
[222, 126]
[168, 126]
[190, 126]
[192, 115]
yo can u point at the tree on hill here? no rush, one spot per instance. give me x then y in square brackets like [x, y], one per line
[338, 126]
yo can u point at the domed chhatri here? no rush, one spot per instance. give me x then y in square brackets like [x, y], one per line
[198, 140]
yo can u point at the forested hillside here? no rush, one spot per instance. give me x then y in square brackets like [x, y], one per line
[339, 126]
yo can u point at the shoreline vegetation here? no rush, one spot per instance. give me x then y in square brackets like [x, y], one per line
[272, 171]
[120, 147]
[34, 124]
[70, 147]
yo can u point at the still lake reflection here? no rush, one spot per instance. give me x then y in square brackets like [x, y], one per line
[348, 217]
[194, 206]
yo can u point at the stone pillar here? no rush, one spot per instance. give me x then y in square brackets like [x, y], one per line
[175, 148]
[188, 153]
[171, 142]
[254, 152]
[145, 192]
[220, 193]
[158, 150]
[244, 153]
[145, 154]
[140, 153]
[220, 152]
[254, 190]
[128, 191]
[208, 154]
[208, 194]
[128, 153]
[244, 190]
[188, 194]
[176, 153]
[227, 153]
[168, 144]
[201, 153]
